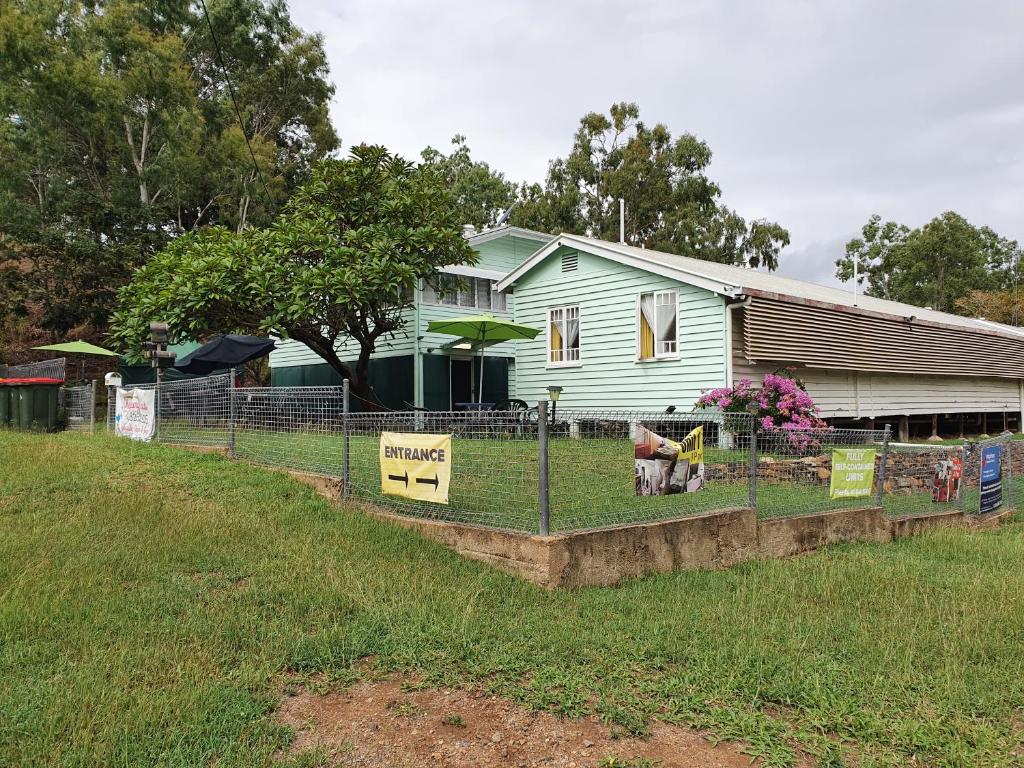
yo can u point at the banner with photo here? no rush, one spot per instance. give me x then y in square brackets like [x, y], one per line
[135, 413]
[664, 467]
[946, 479]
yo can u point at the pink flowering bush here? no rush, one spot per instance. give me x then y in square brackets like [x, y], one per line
[780, 404]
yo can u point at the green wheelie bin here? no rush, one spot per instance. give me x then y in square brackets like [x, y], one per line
[33, 404]
[5, 406]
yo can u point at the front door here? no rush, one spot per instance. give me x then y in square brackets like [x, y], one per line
[462, 380]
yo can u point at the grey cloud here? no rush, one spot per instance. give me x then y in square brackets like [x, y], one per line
[819, 114]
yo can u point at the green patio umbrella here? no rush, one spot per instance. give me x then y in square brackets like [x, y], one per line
[78, 348]
[482, 331]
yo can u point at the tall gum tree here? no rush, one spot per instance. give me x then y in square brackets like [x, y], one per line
[117, 134]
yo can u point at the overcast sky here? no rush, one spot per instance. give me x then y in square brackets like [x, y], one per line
[818, 113]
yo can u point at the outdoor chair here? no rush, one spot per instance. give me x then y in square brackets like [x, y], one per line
[511, 415]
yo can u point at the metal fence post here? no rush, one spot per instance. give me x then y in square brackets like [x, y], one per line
[1008, 495]
[231, 414]
[92, 408]
[882, 468]
[344, 439]
[981, 451]
[156, 408]
[111, 407]
[542, 468]
[752, 480]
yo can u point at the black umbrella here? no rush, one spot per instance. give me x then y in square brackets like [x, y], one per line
[221, 352]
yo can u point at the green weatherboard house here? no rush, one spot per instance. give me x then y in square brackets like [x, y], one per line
[628, 328]
[432, 370]
[619, 330]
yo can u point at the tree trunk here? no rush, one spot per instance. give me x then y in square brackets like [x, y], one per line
[139, 156]
[363, 370]
[325, 350]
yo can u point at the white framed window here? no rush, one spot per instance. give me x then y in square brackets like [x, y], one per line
[564, 336]
[657, 317]
[460, 291]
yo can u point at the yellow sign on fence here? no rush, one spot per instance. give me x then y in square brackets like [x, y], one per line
[853, 473]
[416, 466]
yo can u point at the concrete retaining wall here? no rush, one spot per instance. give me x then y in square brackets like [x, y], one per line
[716, 540]
[606, 556]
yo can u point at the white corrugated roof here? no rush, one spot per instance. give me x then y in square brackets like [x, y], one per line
[506, 230]
[732, 281]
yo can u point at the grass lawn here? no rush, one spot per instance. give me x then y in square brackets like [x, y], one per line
[155, 602]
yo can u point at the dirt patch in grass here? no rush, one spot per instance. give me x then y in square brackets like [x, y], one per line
[383, 724]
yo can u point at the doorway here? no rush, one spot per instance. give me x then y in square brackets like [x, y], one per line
[461, 377]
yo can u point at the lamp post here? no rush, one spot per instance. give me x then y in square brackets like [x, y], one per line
[554, 392]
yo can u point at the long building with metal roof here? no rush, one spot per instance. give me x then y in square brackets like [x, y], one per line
[863, 359]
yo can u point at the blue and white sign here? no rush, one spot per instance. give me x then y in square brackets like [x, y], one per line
[991, 478]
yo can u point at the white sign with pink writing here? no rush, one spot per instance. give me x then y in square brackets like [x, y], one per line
[135, 415]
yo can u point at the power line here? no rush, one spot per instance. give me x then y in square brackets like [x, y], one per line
[234, 102]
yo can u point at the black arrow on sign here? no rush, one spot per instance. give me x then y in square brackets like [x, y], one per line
[403, 478]
[426, 481]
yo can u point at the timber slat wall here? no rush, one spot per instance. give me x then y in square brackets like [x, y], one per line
[838, 339]
[865, 394]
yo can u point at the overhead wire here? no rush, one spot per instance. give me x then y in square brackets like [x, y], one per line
[234, 101]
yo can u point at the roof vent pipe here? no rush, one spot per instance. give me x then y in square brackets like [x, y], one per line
[856, 277]
[622, 221]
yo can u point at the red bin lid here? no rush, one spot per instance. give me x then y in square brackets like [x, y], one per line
[35, 380]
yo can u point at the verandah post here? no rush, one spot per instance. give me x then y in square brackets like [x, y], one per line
[542, 468]
[344, 439]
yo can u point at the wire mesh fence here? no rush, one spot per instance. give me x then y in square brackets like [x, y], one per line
[581, 469]
[45, 369]
[494, 465]
[1015, 471]
[78, 405]
[195, 411]
[818, 470]
[610, 467]
[296, 428]
[928, 478]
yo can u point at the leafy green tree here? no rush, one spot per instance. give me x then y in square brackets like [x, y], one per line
[935, 265]
[481, 193]
[671, 204]
[117, 133]
[337, 268]
[875, 254]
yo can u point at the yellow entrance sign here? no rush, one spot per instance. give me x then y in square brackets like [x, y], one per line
[416, 466]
